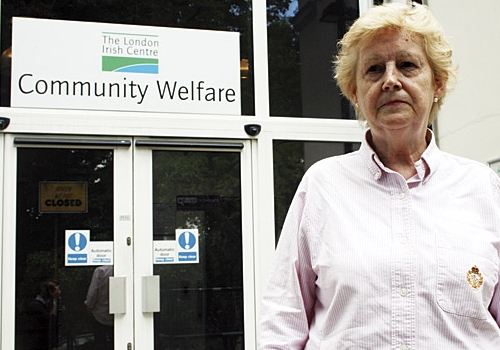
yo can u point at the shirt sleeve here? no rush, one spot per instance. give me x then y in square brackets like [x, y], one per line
[288, 302]
[495, 304]
[92, 292]
[495, 300]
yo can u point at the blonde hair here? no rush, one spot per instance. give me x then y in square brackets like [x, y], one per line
[417, 21]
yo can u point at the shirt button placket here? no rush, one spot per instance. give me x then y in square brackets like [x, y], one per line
[404, 239]
[402, 230]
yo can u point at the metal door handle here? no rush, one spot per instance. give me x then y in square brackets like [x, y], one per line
[150, 293]
[117, 295]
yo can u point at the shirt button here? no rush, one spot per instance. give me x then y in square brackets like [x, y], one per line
[404, 240]
[402, 195]
[403, 292]
[377, 175]
[404, 347]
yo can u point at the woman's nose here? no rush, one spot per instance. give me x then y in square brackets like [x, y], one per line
[391, 79]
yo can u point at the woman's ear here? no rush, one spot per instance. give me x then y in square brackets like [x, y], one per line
[354, 99]
[440, 87]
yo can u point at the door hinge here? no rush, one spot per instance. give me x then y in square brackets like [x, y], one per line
[129, 346]
[129, 241]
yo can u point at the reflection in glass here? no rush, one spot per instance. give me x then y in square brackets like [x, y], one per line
[201, 303]
[50, 309]
[291, 161]
[235, 16]
[302, 39]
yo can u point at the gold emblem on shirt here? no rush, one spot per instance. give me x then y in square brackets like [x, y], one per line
[474, 277]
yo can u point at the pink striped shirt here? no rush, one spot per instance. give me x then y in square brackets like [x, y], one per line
[369, 260]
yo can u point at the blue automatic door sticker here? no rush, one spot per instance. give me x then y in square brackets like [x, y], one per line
[77, 242]
[187, 240]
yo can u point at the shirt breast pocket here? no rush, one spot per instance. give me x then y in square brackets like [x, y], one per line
[466, 280]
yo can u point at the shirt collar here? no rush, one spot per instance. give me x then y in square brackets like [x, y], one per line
[425, 166]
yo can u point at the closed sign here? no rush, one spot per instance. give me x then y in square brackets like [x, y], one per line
[63, 197]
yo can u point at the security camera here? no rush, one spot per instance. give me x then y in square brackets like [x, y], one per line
[252, 129]
[4, 123]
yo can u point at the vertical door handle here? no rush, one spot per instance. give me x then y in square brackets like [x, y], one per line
[150, 293]
[117, 295]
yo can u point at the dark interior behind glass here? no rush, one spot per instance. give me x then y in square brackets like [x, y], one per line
[302, 43]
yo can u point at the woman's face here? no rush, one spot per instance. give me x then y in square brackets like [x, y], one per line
[395, 87]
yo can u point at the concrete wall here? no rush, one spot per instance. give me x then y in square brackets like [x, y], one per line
[469, 122]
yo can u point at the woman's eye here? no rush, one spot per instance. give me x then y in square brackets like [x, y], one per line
[407, 64]
[375, 69]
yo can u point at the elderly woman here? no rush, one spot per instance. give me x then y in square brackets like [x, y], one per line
[395, 246]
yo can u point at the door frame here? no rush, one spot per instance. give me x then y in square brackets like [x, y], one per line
[9, 244]
[143, 223]
[130, 187]
[122, 193]
[2, 227]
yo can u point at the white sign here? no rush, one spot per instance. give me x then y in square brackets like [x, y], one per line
[84, 65]
[184, 250]
[164, 252]
[187, 245]
[80, 251]
[101, 253]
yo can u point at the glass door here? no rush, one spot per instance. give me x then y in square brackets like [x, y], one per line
[127, 244]
[72, 220]
[190, 218]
